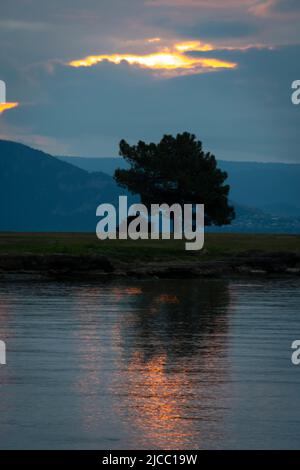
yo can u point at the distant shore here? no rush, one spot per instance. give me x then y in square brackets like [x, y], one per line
[77, 255]
[97, 266]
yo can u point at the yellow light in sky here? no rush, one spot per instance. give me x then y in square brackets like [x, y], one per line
[154, 40]
[6, 106]
[172, 60]
[193, 46]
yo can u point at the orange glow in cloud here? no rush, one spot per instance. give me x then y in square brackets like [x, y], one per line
[5, 106]
[154, 40]
[170, 61]
[193, 46]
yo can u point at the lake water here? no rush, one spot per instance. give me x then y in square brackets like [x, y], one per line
[187, 364]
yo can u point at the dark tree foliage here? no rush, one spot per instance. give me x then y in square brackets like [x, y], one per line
[176, 170]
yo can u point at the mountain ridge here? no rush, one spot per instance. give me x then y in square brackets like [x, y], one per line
[40, 192]
[271, 187]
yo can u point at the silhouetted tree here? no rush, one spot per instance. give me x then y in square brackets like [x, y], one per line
[176, 170]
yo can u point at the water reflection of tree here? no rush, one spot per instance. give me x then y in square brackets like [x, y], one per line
[173, 371]
[179, 319]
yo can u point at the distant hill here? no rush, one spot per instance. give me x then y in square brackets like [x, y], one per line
[42, 193]
[106, 164]
[271, 187]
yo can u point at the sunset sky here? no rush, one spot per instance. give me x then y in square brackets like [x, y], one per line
[89, 73]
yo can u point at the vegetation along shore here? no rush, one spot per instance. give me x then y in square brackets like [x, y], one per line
[71, 255]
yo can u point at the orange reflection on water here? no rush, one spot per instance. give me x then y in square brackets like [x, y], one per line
[173, 408]
[121, 291]
[158, 357]
[168, 299]
[171, 380]
[159, 399]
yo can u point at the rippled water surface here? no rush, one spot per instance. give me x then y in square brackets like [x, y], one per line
[150, 364]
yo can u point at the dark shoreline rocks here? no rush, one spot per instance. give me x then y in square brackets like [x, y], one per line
[49, 266]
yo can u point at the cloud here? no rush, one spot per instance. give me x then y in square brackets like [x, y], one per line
[77, 29]
[240, 113]
[27, 26]
[6, 106]
[281, 8]
[245, 114]
[218, 29]
[167, 62]
[215, 4]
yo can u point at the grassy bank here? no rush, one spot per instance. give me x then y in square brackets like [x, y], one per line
[216, 246]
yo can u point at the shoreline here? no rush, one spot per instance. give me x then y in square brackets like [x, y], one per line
[93, 266]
